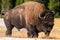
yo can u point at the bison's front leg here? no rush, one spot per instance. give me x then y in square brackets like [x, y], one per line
[49, 30]
[32, 31]
[30, 35]
[35, 32]
[47, 33]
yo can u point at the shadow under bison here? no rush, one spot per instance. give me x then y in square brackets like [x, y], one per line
[30, 15]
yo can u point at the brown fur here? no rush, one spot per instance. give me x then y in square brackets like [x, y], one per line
[32, 11]
[26, 16]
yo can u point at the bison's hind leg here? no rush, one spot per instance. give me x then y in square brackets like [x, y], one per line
[9, 29]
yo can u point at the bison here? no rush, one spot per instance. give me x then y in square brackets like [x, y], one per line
[30, 15]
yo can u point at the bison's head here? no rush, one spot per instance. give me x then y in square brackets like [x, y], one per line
[48, 20]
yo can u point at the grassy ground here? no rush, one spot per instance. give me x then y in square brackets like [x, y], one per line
[55, 33]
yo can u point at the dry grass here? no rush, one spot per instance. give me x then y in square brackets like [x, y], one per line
[55, 33]
[57, 22]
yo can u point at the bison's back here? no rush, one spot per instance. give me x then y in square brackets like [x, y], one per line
[32, 11]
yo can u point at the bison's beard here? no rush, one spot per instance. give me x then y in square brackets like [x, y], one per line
[48, 26]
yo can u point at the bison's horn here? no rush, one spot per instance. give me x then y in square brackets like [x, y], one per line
[53, 12]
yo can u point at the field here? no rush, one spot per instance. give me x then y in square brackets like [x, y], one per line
[55, 33]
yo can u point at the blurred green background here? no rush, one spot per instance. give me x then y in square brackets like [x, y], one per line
[53, 5]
